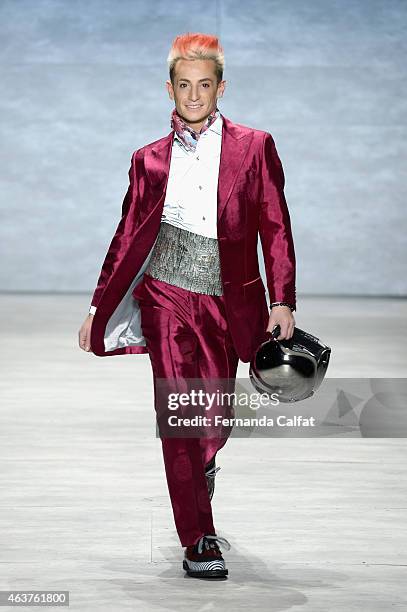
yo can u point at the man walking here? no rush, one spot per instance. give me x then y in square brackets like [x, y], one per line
[181, 279]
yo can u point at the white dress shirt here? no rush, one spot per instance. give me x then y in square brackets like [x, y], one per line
[192, 188]
[191, 200]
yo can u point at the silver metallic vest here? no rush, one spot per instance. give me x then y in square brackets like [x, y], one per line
[186, 259]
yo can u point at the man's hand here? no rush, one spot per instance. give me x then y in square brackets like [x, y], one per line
[84, 333]
[282, 315]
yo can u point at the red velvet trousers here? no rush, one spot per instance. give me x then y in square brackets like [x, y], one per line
[187, 337]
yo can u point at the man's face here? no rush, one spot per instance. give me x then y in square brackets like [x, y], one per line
[195, 90]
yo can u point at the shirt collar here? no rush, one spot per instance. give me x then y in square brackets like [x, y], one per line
[215, 127]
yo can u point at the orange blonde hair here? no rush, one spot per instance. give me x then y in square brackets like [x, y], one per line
[195, 45]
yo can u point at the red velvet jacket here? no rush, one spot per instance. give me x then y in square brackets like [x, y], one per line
[251, 202]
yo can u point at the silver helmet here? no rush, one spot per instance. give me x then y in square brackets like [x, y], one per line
[293, 369]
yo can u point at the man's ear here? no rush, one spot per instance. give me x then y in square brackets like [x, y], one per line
[170, 89]
[222, 89]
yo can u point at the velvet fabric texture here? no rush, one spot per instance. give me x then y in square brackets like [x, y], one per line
[187, 339]
[251, 203]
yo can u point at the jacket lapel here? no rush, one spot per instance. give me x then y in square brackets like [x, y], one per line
[157, 159]
[235, 144]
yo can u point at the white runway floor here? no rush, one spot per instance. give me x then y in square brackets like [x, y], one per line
[315, 525]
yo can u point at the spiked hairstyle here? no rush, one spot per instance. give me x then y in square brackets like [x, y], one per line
[195, 45]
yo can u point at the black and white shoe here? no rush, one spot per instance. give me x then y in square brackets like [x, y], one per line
[210, 473]
[204, 559]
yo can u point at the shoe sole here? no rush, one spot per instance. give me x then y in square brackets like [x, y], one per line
[205, 573]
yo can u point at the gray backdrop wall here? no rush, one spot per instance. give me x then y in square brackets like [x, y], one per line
[83, 86]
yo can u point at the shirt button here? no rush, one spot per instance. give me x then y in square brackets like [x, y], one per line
[203, 218]
[200, 186]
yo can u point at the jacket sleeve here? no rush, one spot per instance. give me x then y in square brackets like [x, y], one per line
[275, 228]
[121, 238]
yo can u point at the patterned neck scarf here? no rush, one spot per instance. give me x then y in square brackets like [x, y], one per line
[188, 136]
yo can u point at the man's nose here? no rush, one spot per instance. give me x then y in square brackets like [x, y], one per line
[194, 95]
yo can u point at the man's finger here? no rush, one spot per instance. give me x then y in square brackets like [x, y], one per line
[82, 340]
[290, 330]
[284, 332]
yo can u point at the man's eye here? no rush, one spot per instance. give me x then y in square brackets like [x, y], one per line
[204, 84]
